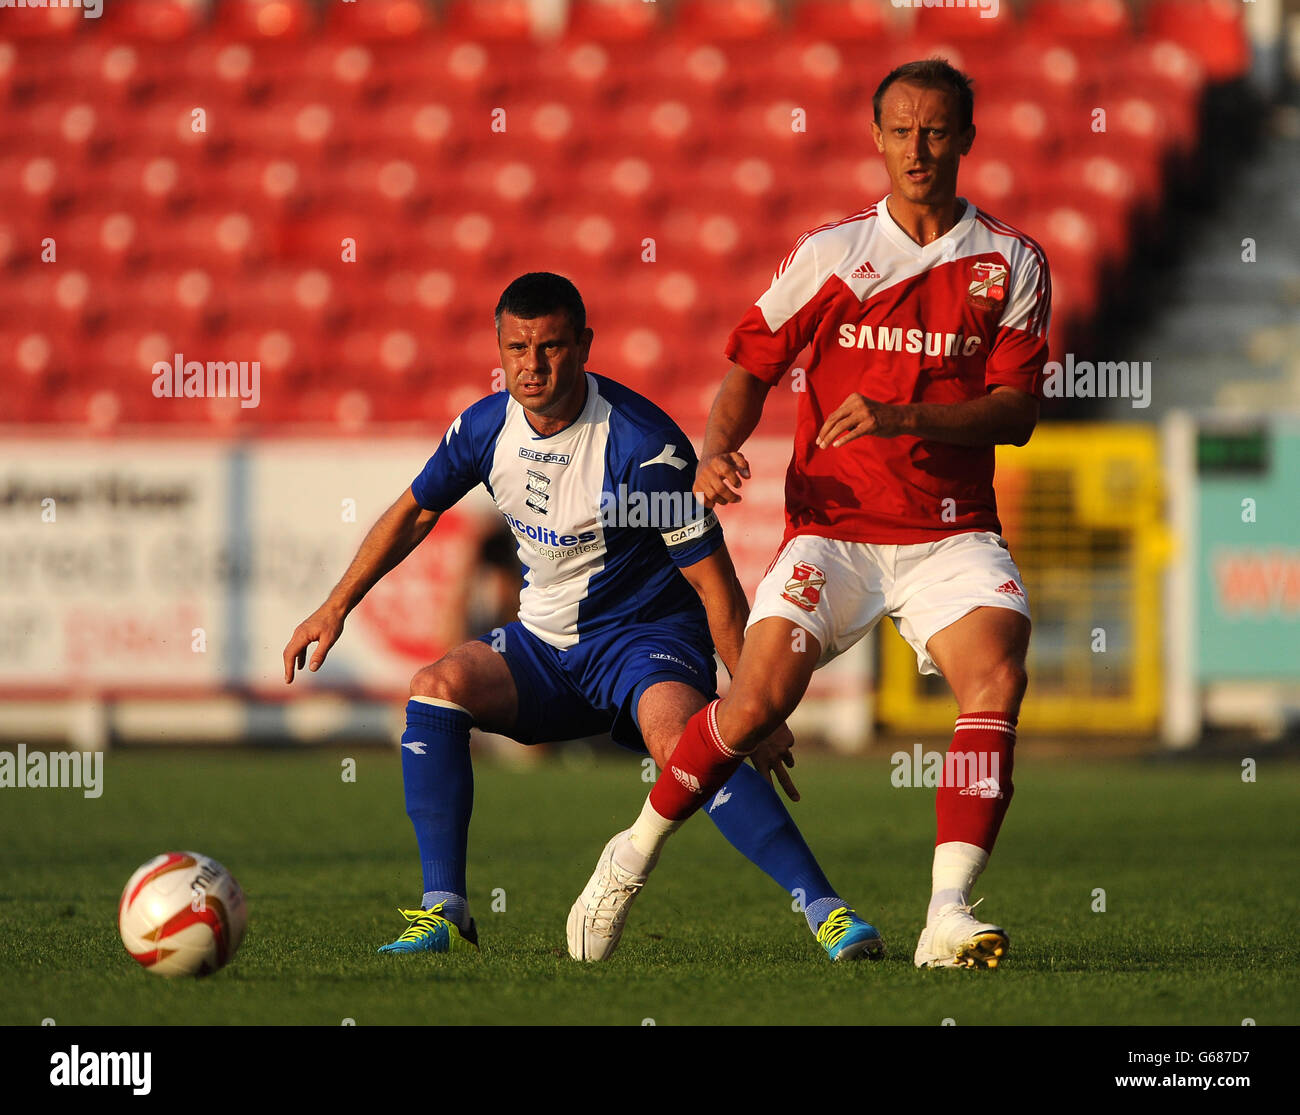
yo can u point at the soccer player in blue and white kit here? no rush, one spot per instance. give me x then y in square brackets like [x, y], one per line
[626, 577]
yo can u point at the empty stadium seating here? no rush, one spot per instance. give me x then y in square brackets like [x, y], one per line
[343, 190]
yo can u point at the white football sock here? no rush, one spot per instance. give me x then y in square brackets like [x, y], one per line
[956, 867]
[647, 837]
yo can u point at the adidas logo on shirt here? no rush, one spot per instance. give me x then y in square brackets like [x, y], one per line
[865, 271]
[1010, 588]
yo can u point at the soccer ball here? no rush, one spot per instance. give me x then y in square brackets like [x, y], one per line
[182, 914]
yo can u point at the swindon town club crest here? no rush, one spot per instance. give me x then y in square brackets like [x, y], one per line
[988, 288]
[805, 586]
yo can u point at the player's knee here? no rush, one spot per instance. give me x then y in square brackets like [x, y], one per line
[1008, 682]
[445, 680]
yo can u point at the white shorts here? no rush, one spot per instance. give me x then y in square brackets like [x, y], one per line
[838, 591]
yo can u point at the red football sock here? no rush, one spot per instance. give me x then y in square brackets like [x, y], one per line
[976, 788]
[697, 768]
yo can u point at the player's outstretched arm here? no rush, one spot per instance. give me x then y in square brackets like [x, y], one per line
[735, 412]
[397, 532]
[723, 596]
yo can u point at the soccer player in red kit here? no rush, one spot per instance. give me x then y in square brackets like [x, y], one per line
[928, 323]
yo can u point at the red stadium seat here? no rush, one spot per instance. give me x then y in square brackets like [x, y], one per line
[995, 184]
[781, 129]
[265, 20]
[1104, 191]
[1172, 77]
[428, 300]
[77, 130]
[162, 21]
[613, 20]
[711, 239]
[867, 20]
[587, 74]
[153, 183]
[1213, 30]
[106, 240]
[810, 71]
[301, 128]
[717, 20]
[489, 19]
[750, 186]
[339, 240]
[555, 132]
[36, 183]
[12, 81]
[378, 20]
[1021, 126]
[458, 71]
[333, 71]
[627, 184]
[190, 298]
[267, 183]
[468, 243]
[227, 238]
[20, 241]
[1052, 71]
[43, 23]
[232, 72]
[1095, 20]
[662, 127]
[501, 184]
[108, 69]
[695, 71]
[850, 183]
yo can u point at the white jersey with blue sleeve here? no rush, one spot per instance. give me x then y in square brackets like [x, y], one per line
[602, 512]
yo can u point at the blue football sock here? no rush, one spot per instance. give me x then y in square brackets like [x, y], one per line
[439, 782]
[749, 814]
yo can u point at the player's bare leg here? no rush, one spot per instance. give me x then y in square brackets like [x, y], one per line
[597, 917]
[697, 766]
[471, 685]
[750, 816]
[982, 656]
[475, 678]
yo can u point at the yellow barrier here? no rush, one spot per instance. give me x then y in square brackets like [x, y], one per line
[1081, 507]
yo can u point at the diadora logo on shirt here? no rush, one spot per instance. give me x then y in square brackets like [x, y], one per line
[865, 271]
[883, 338]
[544, 458]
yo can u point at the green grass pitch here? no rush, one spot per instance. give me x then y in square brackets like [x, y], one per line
[1198, 870]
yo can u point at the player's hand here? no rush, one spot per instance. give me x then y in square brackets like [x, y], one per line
[773, 755]
[719, 478]
[323, 627]
[856, 417]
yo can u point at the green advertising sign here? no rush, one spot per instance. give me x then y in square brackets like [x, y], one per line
[1248, 557]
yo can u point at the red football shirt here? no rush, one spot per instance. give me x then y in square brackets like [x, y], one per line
[898, 323]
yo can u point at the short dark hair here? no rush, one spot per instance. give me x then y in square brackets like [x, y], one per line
[932, 73]
[540, 293]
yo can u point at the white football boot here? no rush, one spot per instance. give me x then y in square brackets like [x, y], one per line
[597, 917]
[954, 939]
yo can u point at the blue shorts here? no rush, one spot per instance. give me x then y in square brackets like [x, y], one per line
[595, 686]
